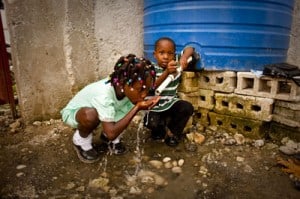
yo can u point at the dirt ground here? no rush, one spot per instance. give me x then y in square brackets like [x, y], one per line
[38, 161]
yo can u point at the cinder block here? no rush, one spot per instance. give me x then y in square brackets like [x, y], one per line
[249, 128]
[201, 115]
[265, 86]
[256, 108]
[279, 131]
[188, 75]
[206, 99]
[287, 113]
[189, 82]
[286, 121]
[192, 97]
[290, 110]
[218, 80]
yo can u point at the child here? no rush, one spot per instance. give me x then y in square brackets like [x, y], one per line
[169, 117]
[113, 102]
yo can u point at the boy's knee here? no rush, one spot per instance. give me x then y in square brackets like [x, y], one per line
[187, 108]
[152, 120]
[190, 109]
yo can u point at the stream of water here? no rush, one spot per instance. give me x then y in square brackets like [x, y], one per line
[138, 150]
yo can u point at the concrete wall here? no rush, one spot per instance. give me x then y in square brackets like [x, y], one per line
[59, 46]
[294, 48]
[5, 27]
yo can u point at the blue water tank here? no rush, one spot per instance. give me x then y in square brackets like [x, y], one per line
[229, 34]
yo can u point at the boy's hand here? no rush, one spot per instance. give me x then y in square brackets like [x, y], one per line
[188, 51]
[148, 104]
[172, 66]
[183, 62]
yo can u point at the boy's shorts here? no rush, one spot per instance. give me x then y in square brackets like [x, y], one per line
[69, 117]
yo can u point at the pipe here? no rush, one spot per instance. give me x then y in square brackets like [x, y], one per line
[170, 78]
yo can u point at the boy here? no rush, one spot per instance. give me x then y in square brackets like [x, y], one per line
[169, 116]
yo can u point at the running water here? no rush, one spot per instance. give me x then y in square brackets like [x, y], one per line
[103, 163]
[132, 179]
[139, 152]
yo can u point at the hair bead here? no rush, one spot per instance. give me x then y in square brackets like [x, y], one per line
[130, 69]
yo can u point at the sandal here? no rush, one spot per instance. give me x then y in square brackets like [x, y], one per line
[171, 141]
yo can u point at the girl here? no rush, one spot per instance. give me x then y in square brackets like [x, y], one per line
[113, 102]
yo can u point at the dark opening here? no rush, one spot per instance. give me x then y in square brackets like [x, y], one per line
[255, 108]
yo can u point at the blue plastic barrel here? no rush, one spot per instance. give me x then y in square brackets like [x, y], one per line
[229, 34]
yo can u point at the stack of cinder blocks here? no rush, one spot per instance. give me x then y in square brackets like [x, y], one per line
[241, 102]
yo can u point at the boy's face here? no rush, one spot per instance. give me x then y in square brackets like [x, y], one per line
[164, 53]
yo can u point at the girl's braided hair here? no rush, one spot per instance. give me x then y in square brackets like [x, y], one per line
[130, 69]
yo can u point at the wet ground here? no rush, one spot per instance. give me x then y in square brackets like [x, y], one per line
[38, 161]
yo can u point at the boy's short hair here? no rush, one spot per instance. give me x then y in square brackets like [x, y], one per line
[164, 38]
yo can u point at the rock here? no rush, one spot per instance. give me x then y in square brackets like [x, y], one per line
[198, 138]
[21, 166]
[156, 163]
[190, 137]
[101, 183]
[47, 123]
[203, 170]
[180, 162]
[259, 143]
[37, 123]
[69, 186]
[239, 138]
[158, 180]
[284, 140]
[290, 148]
[248, 169]
[135, 190]
[131, 180]
[174, 163]
[168, 165]
[240, 159]
[20, 174]
[213, 128]
[80, 189]
[177, 169]
[270, 146]
[166, 159]
[15, 125]
[147, 179]
[229, 141]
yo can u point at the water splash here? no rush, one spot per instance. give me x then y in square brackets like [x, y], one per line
[103, 163]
